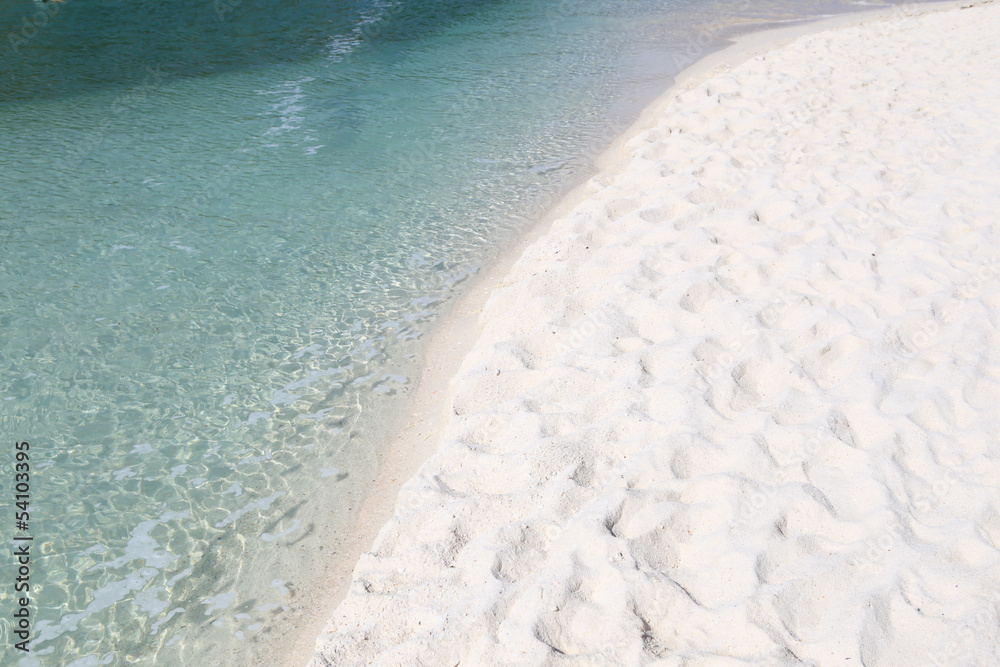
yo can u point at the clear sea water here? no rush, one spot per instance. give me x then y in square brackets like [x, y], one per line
[225, 228]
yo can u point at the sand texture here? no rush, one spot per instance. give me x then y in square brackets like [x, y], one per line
[741, 405]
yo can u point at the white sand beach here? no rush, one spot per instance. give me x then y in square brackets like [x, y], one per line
[740, 404]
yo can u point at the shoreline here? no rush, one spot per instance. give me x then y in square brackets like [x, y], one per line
[417, 434]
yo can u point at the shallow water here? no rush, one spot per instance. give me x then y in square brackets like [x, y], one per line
[225, 227]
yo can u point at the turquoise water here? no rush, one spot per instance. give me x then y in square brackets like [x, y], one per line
[225, 227]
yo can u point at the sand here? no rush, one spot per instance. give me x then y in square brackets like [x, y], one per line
[741, 403]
